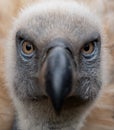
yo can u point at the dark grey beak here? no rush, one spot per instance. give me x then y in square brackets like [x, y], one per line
[58, 76]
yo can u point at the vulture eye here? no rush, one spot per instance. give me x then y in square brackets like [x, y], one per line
[89, 49]
[27, 48]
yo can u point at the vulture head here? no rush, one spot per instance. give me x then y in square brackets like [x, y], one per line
[54, 65]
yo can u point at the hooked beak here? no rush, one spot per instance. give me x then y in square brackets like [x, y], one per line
[58, 76]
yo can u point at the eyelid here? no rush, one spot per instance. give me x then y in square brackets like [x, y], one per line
[21, 35]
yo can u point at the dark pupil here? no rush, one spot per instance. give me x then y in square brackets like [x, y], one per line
[28, 47]
[86, 48]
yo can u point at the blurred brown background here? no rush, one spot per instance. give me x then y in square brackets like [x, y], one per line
[102, 116]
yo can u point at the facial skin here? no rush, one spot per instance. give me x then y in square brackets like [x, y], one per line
[55, 65]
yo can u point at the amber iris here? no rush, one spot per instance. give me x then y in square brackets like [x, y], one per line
[88, 48]
[27, 48]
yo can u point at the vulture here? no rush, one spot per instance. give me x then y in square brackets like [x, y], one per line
[54, 65]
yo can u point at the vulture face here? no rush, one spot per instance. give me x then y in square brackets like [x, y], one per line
[54, 60]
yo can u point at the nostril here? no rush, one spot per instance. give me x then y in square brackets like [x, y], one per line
[46, 53]
[69, 51]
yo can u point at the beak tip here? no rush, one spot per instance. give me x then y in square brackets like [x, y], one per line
[57, 105]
